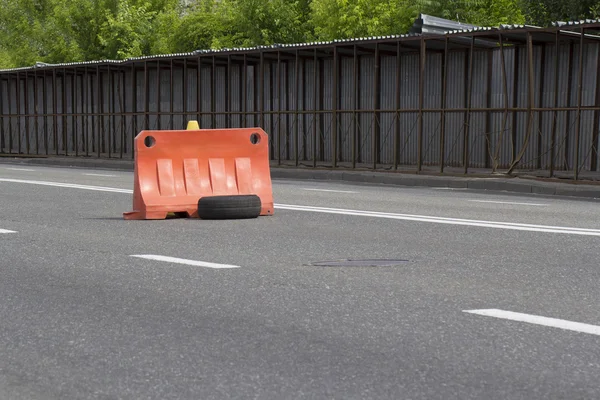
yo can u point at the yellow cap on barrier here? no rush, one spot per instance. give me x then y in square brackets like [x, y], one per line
[193, 126]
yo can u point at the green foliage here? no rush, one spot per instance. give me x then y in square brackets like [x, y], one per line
[336, 19]
[128, 32]
[477, 12]
[544, 12]
[240, 23]
[67, 31]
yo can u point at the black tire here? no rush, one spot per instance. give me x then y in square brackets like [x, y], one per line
[229, 207]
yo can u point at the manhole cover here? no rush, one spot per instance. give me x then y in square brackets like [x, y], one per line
[360, 263]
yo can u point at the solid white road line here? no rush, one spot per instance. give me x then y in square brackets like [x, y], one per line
[21, 169]
[360, 213]
[184, 261]
[537, 320]
[106, 175]
[443, 220]
[68, 185]
[509, 202]
[329, 190]
[6, 231]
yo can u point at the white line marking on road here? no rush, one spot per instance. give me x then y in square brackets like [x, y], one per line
[22, 169]
[184, 261]
[509, 202]
[360, 213]
[68, 185]
[443, 220]
[537, 320]
[329, 190]
[448, 188]
[106, 175]
[6, 231]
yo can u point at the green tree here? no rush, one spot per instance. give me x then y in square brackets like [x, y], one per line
[339, 19]
[335, 19]
[477, 12]
[59, 31]
[544, 12]
[29, 33]
[240, 23]
[128, 33]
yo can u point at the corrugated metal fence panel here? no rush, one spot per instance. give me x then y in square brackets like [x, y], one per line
[38, 111]
[10, 138]
[503, 92]
[409, 99]
[152, 103]
[275, 97]
[326, 123]
[4, 130]
[432, 98]
[20, 119]
[566, 126]
[527, 137]
[205, 97]
[311, 119]
[347, 100]
[387, 120]
[269, 104]
[9, 108]
[178, 121]
[455, 98]
[545, 119]
[235, 97]
[127, 119]
[220, 97]
[279, 97]
[286, 122]
[140, 96]
[61, 109]
[305, 123]
[50, 120]
[294, 93]
[165, 118]
[191, 102]
[477, 127]
[589, 85]
[250, 109]
[366, 118]
[89, 119]
[126, 104]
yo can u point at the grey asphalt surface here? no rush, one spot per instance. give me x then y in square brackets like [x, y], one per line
[82, 319]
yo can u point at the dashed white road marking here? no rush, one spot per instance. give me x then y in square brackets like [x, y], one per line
[22, 169]
[537, 320]
[184, 261]
[105, 175]
[361, 213]
[509, 202]
[6, 231]
[329, 190]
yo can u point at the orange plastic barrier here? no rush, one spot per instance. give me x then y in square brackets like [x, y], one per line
[174, 169]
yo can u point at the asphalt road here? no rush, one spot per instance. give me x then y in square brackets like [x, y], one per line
[80, 318]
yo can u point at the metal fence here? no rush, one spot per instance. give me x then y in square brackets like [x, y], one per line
[484, 98]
